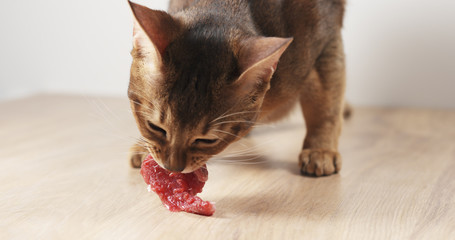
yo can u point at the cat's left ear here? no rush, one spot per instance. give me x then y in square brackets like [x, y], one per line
[258, 58]
[153, 28]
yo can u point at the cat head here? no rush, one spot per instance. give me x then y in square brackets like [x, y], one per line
[196, 86]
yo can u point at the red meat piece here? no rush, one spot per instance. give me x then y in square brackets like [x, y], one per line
[177, 191]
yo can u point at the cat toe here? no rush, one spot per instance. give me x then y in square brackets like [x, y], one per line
[319, 162]
[136, 160]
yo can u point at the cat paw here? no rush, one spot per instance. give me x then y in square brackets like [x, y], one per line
[137, 154]
[319, 162]
[136, 160]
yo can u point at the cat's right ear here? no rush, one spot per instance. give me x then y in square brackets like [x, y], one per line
[153, 29]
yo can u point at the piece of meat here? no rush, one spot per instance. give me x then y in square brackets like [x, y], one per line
[177, 191]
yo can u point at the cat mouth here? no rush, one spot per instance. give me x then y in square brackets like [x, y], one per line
[157, 160]
[195, 168]
[188, 169]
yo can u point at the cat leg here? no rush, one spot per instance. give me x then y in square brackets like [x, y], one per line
[137, 153]
[347, 111]
[322, 106]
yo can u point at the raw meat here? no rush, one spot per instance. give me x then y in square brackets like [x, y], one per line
[177, 191]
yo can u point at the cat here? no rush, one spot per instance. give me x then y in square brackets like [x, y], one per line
[205, 72]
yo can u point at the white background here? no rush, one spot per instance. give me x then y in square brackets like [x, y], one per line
[399, 52]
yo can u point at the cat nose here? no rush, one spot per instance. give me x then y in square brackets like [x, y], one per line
[175, 163]
[174, 167]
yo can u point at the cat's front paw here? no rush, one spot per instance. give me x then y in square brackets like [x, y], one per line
[136, 160]
[319, 162]
[137, 154]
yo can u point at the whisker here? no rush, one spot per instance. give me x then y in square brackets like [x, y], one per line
[223, 114]
[217, 130]
[144, 139]
[246, 151]
[252, 157]
[251, 152]
[109, 110]
[264, 125]
[147, 107]
[240, 153]
[136, 152]
[243, 160]
[119, 136]
[218, 137]
[141, 93]
[240, 162]
[233, 114]
[100, 112]
[144, 106]
[146, 114]
[112, 131]
[239, 121]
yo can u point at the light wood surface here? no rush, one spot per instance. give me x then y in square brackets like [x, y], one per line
[64, 174]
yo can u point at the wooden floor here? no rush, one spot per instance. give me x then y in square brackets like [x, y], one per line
[64, 174]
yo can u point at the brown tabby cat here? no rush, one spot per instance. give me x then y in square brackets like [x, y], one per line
[205, 73]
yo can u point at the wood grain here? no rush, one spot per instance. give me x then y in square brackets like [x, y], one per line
[64, 174]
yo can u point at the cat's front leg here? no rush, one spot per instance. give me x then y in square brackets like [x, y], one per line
[319, 155]
[137, 153]
[322, 106]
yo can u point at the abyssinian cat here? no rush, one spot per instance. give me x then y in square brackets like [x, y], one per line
[203, 74]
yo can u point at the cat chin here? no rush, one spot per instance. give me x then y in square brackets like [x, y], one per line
[190, 169]
[159, 163]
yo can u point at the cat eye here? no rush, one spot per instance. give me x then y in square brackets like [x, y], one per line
[205, 141]
[155, 128]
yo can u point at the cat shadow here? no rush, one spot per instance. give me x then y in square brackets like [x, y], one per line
[261, 151]
[292, 195]
[289, 194]
[266, 164]
[280, 164]
[308, 198]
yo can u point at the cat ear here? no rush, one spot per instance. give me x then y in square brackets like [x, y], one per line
[153, 25]
[140, 40]
[258, 59]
